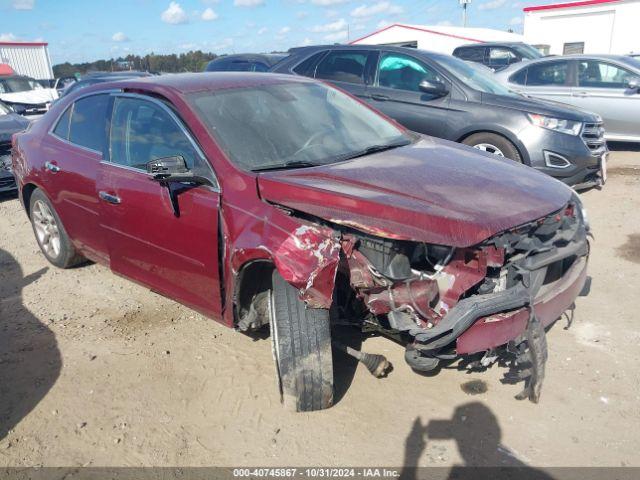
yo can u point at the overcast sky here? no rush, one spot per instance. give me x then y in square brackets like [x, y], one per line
[85, 30]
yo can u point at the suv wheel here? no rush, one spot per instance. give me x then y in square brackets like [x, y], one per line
[50, 233]
[301, 341]
[493, 143]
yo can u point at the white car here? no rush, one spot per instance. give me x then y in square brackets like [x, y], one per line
[25, 95]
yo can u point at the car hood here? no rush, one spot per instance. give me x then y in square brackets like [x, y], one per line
[539, 106]
[31, 97]
[10, 124]
[432, 191]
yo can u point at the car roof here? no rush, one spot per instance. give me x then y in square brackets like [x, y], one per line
[490, 44]
[269, 58]
[186, 83]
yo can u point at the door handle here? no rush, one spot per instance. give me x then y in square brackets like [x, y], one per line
[379, 97]
[52, 167]
[580, 94]
[107, 197]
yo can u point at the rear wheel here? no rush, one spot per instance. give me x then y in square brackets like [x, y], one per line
[493, 143]
[301, 340]
[50, 234]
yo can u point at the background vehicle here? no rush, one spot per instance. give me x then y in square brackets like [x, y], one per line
[100, 77]
[244, 62]
[296, 206]
[10, 123]
[443, 96]
[605, 84]
[497, 55]
[25, 95]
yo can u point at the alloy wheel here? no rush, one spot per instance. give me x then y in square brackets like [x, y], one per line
[47, 230]
[487, 147]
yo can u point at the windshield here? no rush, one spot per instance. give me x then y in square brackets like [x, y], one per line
[527, 51]
[18, 84]
[300, 124]
[472, 76]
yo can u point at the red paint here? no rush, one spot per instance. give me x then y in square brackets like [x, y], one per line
[420, 29]
[555, 6]
[433, 191]
[6, 69]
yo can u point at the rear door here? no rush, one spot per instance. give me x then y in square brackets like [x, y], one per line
[173, 251]
[550, 80]
[602, 87]
[72, 153]
[347, 69]
[395, 92]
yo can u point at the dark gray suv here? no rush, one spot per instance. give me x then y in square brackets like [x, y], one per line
[445, 97]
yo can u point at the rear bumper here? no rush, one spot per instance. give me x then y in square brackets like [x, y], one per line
[498, 329]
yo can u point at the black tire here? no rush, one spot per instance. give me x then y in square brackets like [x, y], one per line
[67, 256]
[507, 148]
[301, 340]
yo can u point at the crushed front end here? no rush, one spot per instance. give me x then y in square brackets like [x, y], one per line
[445, 302]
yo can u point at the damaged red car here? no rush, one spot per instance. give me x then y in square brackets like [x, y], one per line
[267, 201]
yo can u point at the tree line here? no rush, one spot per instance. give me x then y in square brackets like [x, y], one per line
[192, 61]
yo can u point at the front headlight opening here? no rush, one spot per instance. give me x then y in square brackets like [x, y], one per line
[558, 124]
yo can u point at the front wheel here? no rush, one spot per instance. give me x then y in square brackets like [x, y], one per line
[50, 234]
[493, 143]
[301, 340]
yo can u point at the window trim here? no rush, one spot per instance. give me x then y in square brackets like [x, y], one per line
[181, 125]
[54, 124]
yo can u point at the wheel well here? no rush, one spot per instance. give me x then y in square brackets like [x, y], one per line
[467, 135]
[27, 191]
[253, 280]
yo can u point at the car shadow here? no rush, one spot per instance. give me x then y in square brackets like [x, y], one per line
[344, 366]
[6, 196]
[623, 146]
[30, 361]
[478, 436]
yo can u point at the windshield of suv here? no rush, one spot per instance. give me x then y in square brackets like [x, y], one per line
[291, 125]
[472, 76]
[18, 84]
[527, 51]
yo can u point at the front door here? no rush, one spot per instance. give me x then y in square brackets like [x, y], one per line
[396, 93]
[603, 88]
[172, 247]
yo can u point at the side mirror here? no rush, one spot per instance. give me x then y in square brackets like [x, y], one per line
[167, 165]
[633, 83]
[438, 89]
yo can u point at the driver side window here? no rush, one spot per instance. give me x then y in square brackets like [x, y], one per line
[142, 131]
[403, 72]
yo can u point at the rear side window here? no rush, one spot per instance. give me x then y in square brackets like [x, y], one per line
[62, 128]
[89, 123]
[471, 54]
[345, 66]
[519, 78]
[550, 73]
[308, 66]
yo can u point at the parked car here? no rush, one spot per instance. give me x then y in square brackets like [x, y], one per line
[101, 77]
[244, 62]
[10, 123]
[25, 95]
[606, 84]
[262, 199]
[497, 55]
[443, 96]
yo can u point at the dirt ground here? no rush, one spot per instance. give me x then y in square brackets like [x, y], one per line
[97, 371]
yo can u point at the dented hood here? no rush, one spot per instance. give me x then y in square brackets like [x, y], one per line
[432, 191]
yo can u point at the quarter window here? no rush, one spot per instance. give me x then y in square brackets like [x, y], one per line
[62, 128]
[594, 74]
[547, 74]
[89, 125]
[403, 72]
[343, 67]
[142, 131]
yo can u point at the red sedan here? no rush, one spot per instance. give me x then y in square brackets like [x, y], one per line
[267, 200]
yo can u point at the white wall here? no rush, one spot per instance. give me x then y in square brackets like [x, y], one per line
[604, 28]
